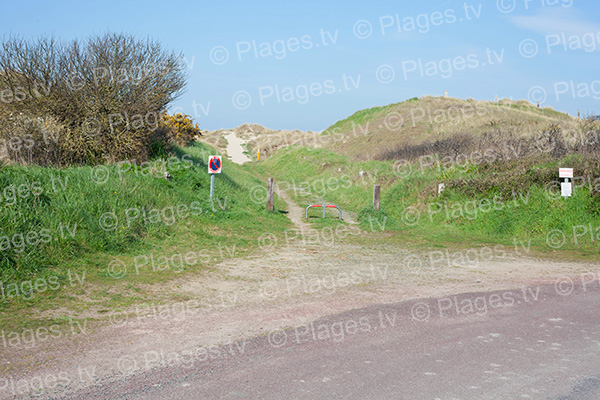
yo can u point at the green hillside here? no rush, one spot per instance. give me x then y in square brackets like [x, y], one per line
[368, 133]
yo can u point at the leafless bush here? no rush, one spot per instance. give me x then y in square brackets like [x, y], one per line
[451, 146]
[104, 96]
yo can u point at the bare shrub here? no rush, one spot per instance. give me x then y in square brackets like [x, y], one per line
[104, 95]
[451, 146]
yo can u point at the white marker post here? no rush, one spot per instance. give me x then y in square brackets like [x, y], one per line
[214, 167]
[441, 187]
[566, 190]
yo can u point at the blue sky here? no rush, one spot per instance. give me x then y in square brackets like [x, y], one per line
[305, 65]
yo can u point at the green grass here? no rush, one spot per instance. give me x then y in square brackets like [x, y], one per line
[362, 117]
[158, 219]
[478, 205]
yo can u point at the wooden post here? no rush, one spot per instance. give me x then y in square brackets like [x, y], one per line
[578, 114]
[376, 197]
[270, 185]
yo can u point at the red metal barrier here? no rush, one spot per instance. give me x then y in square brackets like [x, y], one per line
[324, 207]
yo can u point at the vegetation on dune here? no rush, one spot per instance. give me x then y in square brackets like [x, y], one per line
[371, 133]
[365, 116]
[583, 138]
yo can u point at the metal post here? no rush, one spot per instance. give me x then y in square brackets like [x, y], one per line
[270, 184]
[324, 207]
[212, 186]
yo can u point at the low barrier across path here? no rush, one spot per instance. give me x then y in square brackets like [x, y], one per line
[324, 208]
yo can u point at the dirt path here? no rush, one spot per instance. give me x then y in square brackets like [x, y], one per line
[309, 274]
[295, 213]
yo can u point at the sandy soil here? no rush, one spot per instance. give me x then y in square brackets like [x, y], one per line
[235, 150]
[311, 274]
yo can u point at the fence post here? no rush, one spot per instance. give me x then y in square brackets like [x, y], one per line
[270, 194]
[376, 197]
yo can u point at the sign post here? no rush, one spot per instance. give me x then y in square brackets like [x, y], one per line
[212, 186]
[214, 167]
[566, 189]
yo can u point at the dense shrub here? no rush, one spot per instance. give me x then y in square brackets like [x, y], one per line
[181, 129]
[95, 101]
